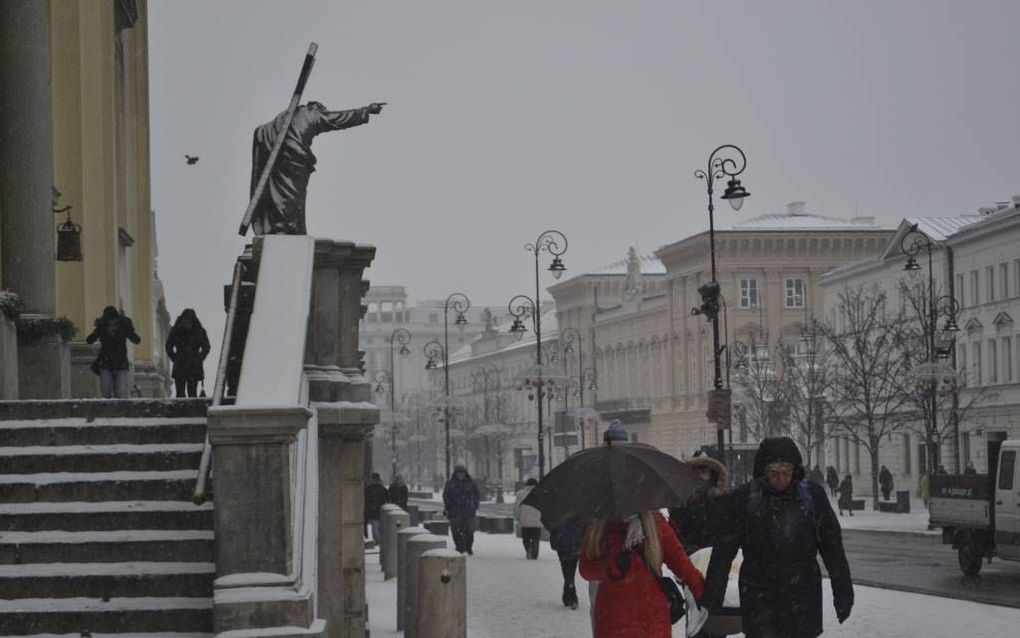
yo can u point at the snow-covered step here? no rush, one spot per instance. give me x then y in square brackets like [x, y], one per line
[112, 515]
[102, 431]
[27, 616]
[153, 634]
[53, 546]
[99, 458]
[106, 580]
[97, 486]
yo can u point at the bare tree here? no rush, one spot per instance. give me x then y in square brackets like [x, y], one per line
[806, 382]
[763, 389]
[868, 367]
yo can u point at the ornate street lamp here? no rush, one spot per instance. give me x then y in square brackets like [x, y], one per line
[555, 243]
[719, 167]
[930, 376]
[459, 303]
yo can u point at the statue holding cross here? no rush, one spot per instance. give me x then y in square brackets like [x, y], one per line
[283, 161]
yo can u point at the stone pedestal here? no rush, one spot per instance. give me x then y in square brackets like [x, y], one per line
[403, 536]
[84, 382]
[442, 595]
[341, 587]
[392, 522]
[416, 546]
[44, 368]
[8, 360]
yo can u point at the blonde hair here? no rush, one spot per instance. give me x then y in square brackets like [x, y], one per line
[594, 545]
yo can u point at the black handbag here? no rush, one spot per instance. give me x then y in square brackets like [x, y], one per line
[674, 597]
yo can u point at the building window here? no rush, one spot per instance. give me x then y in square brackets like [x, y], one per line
[906, 454]
[990, 282]
[1004, 280]
[749, 293]
[961, 361]
[974, 297]
[993, 362]
[794, 292]
[958, 293]
[1007, 359]
[975, 351]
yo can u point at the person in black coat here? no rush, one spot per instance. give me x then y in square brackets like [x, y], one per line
[782, 523]
[846, 495]
[187, 346]
[375, 498]
[832, 480]
[460, 500]
[695, 522]
[113, 330]
[565, 539]
[885, 480]
[398, 492]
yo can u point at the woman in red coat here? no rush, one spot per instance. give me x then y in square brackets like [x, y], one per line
[626, 557]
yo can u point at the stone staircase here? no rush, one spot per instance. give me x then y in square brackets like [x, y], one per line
[97, 530]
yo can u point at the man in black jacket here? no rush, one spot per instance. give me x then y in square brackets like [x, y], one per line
[375, 497]
[782, 523]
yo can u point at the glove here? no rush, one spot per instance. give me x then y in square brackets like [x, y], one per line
[622, 562]
[843, 610]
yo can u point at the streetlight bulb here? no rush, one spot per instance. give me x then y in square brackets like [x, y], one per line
[404, 350]
[557, 268]
[735, 194]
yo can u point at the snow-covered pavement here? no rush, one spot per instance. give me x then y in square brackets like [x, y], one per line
[509, 596]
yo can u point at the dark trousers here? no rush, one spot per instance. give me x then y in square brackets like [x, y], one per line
[189, 386]
[885, 493]
[568, 565]
[531, 537]
[463, 538]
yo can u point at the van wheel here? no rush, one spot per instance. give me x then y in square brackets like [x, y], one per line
[970, 558]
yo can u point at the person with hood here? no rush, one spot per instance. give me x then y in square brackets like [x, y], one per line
[375, 498]
[398, 492]
[695, 522]
[782, 523]
[626, 558]
[565, 539]
[846, 495]
[187, 346]
[885, 480]
[460, 500]
[832, 480]
[529, 520]
[113, 330]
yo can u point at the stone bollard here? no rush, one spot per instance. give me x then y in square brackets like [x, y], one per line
[416, 546]
[403, 536]
[387, 507]
[412, 510]
[395, 520]
[438, 526]
[442, 595]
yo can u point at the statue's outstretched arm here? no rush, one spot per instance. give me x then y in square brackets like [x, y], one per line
[336, 120]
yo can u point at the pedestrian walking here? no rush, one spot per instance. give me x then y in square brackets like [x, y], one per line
[832, 480]
[375, 498]
[461, 499]
[846, 495]
[113, 329]
[565, 539]
[782, 523]
[398, 492]
[816, 475]
[187, 346]
[885, 480]
[925, 489]
[626, 558]
[529, 520]
[695, 522]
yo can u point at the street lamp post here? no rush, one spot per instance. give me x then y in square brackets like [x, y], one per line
[459, 303]
[555, 243]
[912, 243]
[403, 337]
[719, 167]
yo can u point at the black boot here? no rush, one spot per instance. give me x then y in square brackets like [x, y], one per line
[569, 595]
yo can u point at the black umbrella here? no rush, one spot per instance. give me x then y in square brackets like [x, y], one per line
[613, 482]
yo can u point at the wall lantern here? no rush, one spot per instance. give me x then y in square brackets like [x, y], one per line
[68, 238]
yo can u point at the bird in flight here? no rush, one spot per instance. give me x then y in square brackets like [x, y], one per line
[191, 160]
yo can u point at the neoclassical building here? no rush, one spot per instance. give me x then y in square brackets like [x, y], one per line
[654, 358]
[75, 119]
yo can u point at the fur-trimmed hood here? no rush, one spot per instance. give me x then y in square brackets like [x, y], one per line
[720, 476]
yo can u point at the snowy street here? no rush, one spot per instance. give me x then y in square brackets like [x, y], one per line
[511, 596]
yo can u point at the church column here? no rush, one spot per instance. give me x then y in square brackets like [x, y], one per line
[26, 192]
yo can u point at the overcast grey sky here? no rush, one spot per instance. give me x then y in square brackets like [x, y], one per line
[508, 118]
